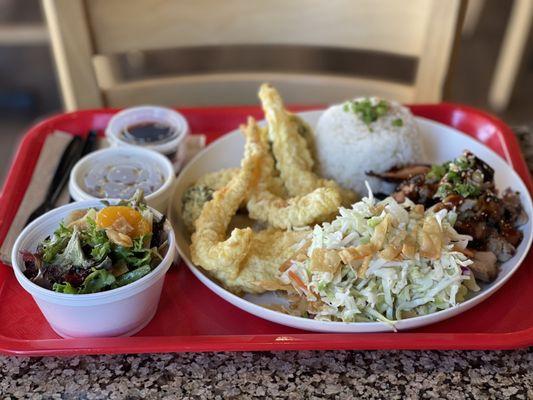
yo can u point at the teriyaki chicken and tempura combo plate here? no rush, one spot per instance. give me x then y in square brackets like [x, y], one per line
[342, 221]
[333, 221]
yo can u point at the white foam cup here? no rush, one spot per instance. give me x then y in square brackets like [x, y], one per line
[118, 312]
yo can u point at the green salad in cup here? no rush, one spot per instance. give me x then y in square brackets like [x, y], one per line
[94, 250]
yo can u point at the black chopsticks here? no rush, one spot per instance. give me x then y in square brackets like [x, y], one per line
[90, 143]
[76, 149]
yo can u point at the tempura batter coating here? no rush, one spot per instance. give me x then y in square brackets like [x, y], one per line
[248, 261]
[219, 179]
[209, 246]
[263, 205]
[201, 192]
[293, 157]
[259, 271]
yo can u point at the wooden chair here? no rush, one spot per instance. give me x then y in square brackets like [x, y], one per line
[512, 51]
[86, 34]
[472, 15]
[511, 54]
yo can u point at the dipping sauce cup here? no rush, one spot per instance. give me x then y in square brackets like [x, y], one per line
[157, 128]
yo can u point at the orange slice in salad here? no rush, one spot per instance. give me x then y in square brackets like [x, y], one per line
[123, 219]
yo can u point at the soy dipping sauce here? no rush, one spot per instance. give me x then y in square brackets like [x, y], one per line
[149, 132]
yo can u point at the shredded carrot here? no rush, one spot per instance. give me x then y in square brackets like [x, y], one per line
[285, 266]
[298, 280]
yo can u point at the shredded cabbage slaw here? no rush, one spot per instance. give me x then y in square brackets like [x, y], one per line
[385, 279]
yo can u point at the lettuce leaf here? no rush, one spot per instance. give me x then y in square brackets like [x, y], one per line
[132, 276]
[97, 239]
[97, 281]
[56, 243]
[73, 254]
[65, 288]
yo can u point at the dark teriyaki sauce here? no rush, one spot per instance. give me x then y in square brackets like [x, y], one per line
[148, 132]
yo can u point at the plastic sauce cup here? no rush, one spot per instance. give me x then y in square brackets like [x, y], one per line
[117, 312]
[173, 148]
[159, 199]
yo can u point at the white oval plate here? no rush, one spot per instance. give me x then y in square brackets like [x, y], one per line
[441, 143]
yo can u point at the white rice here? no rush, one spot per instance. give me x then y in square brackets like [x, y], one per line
[346, 147]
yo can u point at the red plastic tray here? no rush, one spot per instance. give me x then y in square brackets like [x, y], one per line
[191, 318]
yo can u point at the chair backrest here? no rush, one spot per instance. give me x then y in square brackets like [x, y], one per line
[87, 34]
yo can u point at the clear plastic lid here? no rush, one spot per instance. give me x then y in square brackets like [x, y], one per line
[157, 128]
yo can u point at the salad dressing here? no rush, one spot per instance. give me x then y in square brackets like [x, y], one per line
[120, 178]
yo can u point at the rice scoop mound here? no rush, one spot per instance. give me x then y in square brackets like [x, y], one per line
[365, 134]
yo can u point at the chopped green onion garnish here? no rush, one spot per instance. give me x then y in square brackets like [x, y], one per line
[398, 122]
[366, 110]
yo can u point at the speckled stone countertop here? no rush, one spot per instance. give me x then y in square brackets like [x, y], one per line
[292, 375]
